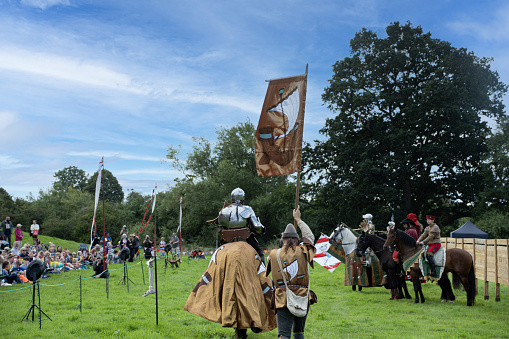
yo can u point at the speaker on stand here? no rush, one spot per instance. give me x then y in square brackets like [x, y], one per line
[34, 272]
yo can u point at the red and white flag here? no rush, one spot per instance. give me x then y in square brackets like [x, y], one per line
[322, 257]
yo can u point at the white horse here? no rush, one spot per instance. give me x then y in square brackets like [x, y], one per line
[357, 272]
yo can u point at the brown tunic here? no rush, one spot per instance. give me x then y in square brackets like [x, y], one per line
[296, 262]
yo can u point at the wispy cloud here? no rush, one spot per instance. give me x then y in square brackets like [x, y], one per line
[86, 72]
[492, 26]
[43, 4]
[114, 155]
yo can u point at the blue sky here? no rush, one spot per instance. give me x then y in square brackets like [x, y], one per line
[126, 79]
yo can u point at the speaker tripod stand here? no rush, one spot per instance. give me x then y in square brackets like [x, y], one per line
[125, 279]
[34, 306]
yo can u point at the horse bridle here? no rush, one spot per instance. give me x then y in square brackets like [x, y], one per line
[364, 240]
[334, 236]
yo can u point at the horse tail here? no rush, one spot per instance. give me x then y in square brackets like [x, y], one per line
[472, 288]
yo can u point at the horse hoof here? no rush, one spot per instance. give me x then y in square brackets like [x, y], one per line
[451, 301]
[444, 300]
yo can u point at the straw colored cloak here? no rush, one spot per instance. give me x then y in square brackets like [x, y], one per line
[234, 290]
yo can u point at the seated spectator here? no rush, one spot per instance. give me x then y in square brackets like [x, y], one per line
[99, 269]
[10, 277]
[15, 249]
[59, 249]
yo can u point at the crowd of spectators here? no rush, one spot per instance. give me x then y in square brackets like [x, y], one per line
[14, 261]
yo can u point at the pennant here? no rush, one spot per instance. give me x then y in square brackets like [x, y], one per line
[93, 230]
[180, 215]
[322, 257]
[278, 137]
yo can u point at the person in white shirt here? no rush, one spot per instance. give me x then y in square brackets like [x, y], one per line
[34, 230]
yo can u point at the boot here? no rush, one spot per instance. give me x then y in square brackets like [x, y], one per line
[240, 333]
[431, 263]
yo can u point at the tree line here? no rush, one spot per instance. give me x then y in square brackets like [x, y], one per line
[419, 126]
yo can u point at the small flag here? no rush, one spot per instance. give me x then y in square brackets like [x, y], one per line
[322, 257]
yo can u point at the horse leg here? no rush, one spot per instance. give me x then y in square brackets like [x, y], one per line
[417, 286]
[402, 283]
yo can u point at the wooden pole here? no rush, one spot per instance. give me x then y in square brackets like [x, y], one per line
[486, 284]
[497, 284]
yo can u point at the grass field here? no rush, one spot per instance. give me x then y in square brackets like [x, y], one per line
[339, 313]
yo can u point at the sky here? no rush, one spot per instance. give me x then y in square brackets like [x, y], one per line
[125, 80]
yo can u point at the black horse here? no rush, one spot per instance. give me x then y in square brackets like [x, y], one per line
[393, 269]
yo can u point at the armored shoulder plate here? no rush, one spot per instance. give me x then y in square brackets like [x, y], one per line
[237, 215]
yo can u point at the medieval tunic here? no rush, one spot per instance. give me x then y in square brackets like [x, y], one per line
[431, 235]
[234, 290]
[295, 264]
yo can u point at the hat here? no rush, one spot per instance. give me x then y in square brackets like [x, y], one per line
[290, 232]
[413, 217]
[125, 226]
[18, 225]
[408, 221]
[430, 217]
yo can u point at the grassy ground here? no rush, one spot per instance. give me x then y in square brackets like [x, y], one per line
[340, 312]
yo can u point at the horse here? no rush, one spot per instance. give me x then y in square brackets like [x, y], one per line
[356, 273]
[459, 262]
[392, 269]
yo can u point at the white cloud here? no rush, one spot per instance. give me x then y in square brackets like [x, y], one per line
[8, 162]
[494, 28]
[43, 4]
[115, 155]
[71, 69]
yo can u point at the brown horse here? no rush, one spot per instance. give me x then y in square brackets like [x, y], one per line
[459, 262]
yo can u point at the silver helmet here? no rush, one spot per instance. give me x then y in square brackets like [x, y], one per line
[237, 195]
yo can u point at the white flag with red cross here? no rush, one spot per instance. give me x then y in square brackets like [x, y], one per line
[322, 257]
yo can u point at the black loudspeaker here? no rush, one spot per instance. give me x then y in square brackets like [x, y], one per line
[124, 254]
[35, 270]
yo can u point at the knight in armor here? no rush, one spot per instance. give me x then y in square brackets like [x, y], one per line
[238, 221]
[367, 224]
[431, 238]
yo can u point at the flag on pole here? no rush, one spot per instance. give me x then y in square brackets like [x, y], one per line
[180, 215]
[278, 138]
[322, 257]
[155, 197]
[97, 195]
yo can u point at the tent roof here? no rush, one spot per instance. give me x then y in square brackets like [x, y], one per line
[469, 230]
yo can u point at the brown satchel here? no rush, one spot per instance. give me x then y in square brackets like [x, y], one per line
[229, 234]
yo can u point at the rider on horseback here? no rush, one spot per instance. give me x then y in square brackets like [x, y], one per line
[431, 237]
[239, 221]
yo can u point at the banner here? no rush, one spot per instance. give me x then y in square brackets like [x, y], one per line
[278, 137]
[322, 257]
[93, 230]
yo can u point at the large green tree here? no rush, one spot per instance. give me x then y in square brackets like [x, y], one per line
[112, 190]
[71, 176]
[408, 134]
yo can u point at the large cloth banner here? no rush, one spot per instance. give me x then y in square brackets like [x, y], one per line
[323, 258]
[278, 137]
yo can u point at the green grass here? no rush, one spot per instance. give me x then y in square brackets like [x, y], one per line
[340, 312]
[45, 240]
